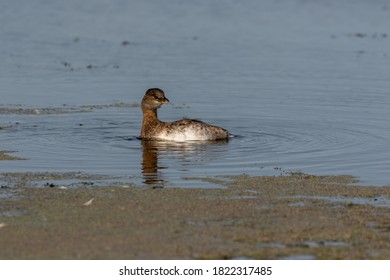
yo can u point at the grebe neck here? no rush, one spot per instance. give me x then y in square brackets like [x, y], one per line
[149, 119]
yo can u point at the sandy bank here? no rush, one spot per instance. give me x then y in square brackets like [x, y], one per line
[297, 216]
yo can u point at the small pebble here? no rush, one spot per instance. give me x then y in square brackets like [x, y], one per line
[88, 203]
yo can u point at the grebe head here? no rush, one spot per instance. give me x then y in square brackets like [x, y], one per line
[153, 99]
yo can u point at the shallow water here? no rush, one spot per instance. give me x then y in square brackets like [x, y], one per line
[375, 201]
[303, 86]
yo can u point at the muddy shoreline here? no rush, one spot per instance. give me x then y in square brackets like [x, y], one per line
[65, 109]
[298, 216]
[5, 155]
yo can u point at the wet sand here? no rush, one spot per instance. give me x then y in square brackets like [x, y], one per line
[4, 155]
[298, 216]
[65, 109]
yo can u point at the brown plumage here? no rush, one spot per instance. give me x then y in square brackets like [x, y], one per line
[182, 130]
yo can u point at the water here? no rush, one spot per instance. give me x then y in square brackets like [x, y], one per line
[303, 86]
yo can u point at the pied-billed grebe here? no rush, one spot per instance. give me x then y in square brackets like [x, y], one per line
[182, 130]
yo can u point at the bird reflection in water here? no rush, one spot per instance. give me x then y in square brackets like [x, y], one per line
[184, 152]
[150, 167]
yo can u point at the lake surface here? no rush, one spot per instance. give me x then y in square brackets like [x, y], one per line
[302, 85]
